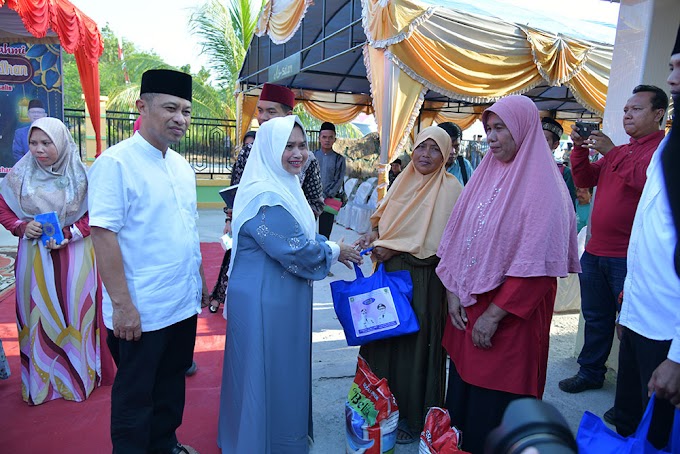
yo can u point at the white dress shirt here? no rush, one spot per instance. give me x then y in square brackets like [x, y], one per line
[651, 301]
[150, 202]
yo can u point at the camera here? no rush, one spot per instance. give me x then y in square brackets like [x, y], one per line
[585, 129]
[531, 423]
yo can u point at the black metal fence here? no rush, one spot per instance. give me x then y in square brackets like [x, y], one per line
[75, 121]
[119, 126]
[209, 145]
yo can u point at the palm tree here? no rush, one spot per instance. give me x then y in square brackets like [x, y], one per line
[225, 30]
[207, 101]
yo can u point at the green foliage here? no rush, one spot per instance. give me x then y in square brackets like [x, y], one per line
[224, 30]
[207, 101]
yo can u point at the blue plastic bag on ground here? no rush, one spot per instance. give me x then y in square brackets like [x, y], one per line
[375, 307]
[594, 437]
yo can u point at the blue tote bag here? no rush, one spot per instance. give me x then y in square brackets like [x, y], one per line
[594, 437]
[375, 307]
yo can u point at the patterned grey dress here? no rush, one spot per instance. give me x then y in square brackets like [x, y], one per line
[265, 403]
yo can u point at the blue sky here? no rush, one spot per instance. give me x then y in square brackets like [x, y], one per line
[159, 25]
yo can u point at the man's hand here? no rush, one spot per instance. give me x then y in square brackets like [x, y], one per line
[576, 137]
[33, 230]
[600, 142]
[665, 382]
[227, 223]
[126, 322]
[456, 311]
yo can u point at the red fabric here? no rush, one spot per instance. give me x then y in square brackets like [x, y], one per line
[9, 220]
[620, 177]
[278, 93]
[517, 361]
[17, 227]
[89, 79]
[78, 35]
[84, 427]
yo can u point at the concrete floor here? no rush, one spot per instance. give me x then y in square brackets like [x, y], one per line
[334, 362]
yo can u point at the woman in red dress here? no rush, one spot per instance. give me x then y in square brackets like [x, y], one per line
[511, 234]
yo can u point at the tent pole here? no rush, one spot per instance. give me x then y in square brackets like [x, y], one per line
[386, 125]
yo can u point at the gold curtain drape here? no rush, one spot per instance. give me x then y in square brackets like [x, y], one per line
[415, 47]
[245, 112]
[335, 113]
[388, 22]
[431, 112]
[480, 59]
[462, 120]
[397, 99]
[280, 19]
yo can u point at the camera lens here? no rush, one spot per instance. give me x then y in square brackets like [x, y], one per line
[530, 423]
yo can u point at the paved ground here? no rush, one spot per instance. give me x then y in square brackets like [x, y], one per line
[334, 362]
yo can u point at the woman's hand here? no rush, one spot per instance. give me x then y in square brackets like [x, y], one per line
[456, 311]
[483, 331]
[486, 326]
[349, 255]
[52, 244]
[365, 240]
[33, 230]
[382, 254]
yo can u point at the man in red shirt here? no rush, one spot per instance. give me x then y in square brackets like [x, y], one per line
[620, 177]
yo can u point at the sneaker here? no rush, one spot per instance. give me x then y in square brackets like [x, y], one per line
[610, 416]
[577, 384]
[191, 370]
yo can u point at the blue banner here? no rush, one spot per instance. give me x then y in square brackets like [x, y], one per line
[30, 88]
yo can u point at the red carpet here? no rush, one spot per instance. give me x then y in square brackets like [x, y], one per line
[60, 426]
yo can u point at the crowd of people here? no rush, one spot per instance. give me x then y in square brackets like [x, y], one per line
[126, 284]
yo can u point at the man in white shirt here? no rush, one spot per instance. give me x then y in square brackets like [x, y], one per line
[649, 357]
[142, 205]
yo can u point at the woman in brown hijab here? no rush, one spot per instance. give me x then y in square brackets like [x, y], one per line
[407, 228]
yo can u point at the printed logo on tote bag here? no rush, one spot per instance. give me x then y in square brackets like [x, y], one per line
[373, 312]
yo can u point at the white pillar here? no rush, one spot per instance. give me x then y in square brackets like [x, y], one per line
[645, 35]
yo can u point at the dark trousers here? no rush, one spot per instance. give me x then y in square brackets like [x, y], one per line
[638, 358]
[147, 398]
[601, 282]
[475, 411]
[326, 224]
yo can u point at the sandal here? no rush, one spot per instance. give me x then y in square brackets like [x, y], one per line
[404, 434]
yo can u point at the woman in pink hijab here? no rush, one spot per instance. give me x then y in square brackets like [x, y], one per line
[511, 234]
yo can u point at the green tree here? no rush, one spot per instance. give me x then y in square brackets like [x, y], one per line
[207, 102]
[224, 30]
